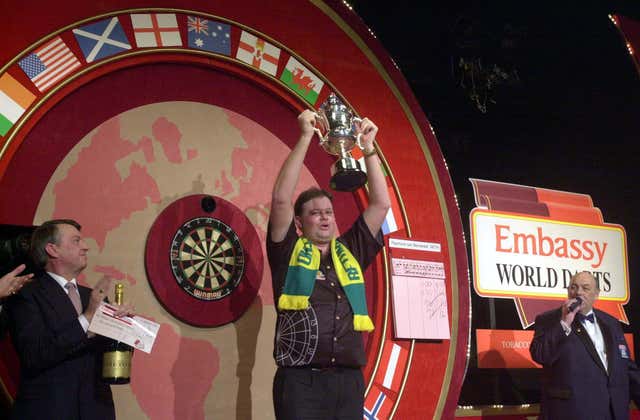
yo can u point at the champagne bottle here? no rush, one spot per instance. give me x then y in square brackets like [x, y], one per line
[116, 359]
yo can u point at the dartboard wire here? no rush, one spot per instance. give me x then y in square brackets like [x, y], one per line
[195, 235]
[301, 320]
[206, 274]
[189, 271]
[223, 262]
[221, 251]
[193, 278]
[211, 274]
[201, 247]
[193, 248]
[204, 234]
[220, 283]
[221, 273]
[221, 239]
[191, 259]
[208, 247]
[184, 257]
[190, 241]
[196, 267]
[209, 241]
[216, 266]
[290, 342]
[289, 335]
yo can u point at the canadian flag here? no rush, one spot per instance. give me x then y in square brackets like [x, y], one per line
[392, 366]
[258, 53]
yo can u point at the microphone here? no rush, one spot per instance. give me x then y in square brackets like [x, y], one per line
[575, 304]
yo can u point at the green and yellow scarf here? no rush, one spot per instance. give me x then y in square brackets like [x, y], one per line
[301, 277]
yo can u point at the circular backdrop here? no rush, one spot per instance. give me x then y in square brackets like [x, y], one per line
[152, 109]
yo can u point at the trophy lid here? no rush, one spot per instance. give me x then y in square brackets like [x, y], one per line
[334, 104]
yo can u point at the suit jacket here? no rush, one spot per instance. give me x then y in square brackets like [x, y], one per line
[59, 366]
[575, 384]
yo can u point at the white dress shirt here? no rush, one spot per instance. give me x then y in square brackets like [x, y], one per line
[62, 282]
[595, 333]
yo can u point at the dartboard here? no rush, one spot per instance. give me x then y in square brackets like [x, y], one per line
[296, 337]
[207, 258]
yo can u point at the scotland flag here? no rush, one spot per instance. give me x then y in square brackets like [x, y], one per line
[101, 39]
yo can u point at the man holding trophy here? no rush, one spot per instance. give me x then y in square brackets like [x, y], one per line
[318, 280]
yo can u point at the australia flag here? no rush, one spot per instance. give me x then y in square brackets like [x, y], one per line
[209, 35]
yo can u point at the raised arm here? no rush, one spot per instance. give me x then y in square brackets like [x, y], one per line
[379, 202]
[287, 180]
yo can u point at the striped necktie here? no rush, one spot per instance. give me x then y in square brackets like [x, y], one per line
[72, 289]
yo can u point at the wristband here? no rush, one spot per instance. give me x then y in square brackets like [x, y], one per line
[371, 153]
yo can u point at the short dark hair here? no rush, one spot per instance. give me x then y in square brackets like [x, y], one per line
[47, 233]
[307, 195]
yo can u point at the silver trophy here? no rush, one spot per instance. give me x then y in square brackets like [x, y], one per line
[337, 132]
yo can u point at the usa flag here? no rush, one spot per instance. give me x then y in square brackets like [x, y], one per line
[49, 63]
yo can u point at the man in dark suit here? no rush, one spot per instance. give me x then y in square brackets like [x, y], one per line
[587, 368]
[60, 375]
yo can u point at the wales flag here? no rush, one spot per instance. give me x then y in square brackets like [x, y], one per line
[302, 81]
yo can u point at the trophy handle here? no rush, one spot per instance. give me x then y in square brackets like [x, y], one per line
[359, 136]
[323, 139]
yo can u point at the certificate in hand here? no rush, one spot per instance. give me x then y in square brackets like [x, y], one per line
[138, 332]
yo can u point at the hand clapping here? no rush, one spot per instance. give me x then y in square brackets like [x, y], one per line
[11, 282]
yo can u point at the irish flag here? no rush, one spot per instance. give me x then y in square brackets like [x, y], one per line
[14, 100]
[302, 80]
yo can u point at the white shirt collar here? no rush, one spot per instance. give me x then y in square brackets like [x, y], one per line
[61, 280]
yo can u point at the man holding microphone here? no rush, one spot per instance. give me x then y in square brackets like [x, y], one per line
[587, 368]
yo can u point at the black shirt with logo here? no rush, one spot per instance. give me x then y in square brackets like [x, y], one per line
[321, 336]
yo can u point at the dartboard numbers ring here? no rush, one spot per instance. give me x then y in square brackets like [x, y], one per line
[207, 258]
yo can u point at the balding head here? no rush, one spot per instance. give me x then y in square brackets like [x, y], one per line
[584, 285]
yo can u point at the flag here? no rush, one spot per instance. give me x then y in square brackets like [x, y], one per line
[356, 153]
[14, 100]
[101, 39]
[377, 405]
[393, 220]
[49, 63]
[392, 366]
[156, 30]
[209, 35]
[302, 81]
[258, 53]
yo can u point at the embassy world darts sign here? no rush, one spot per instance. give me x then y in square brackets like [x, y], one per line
[521, 253]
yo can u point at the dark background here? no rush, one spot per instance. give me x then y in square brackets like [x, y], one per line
[558, 107]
